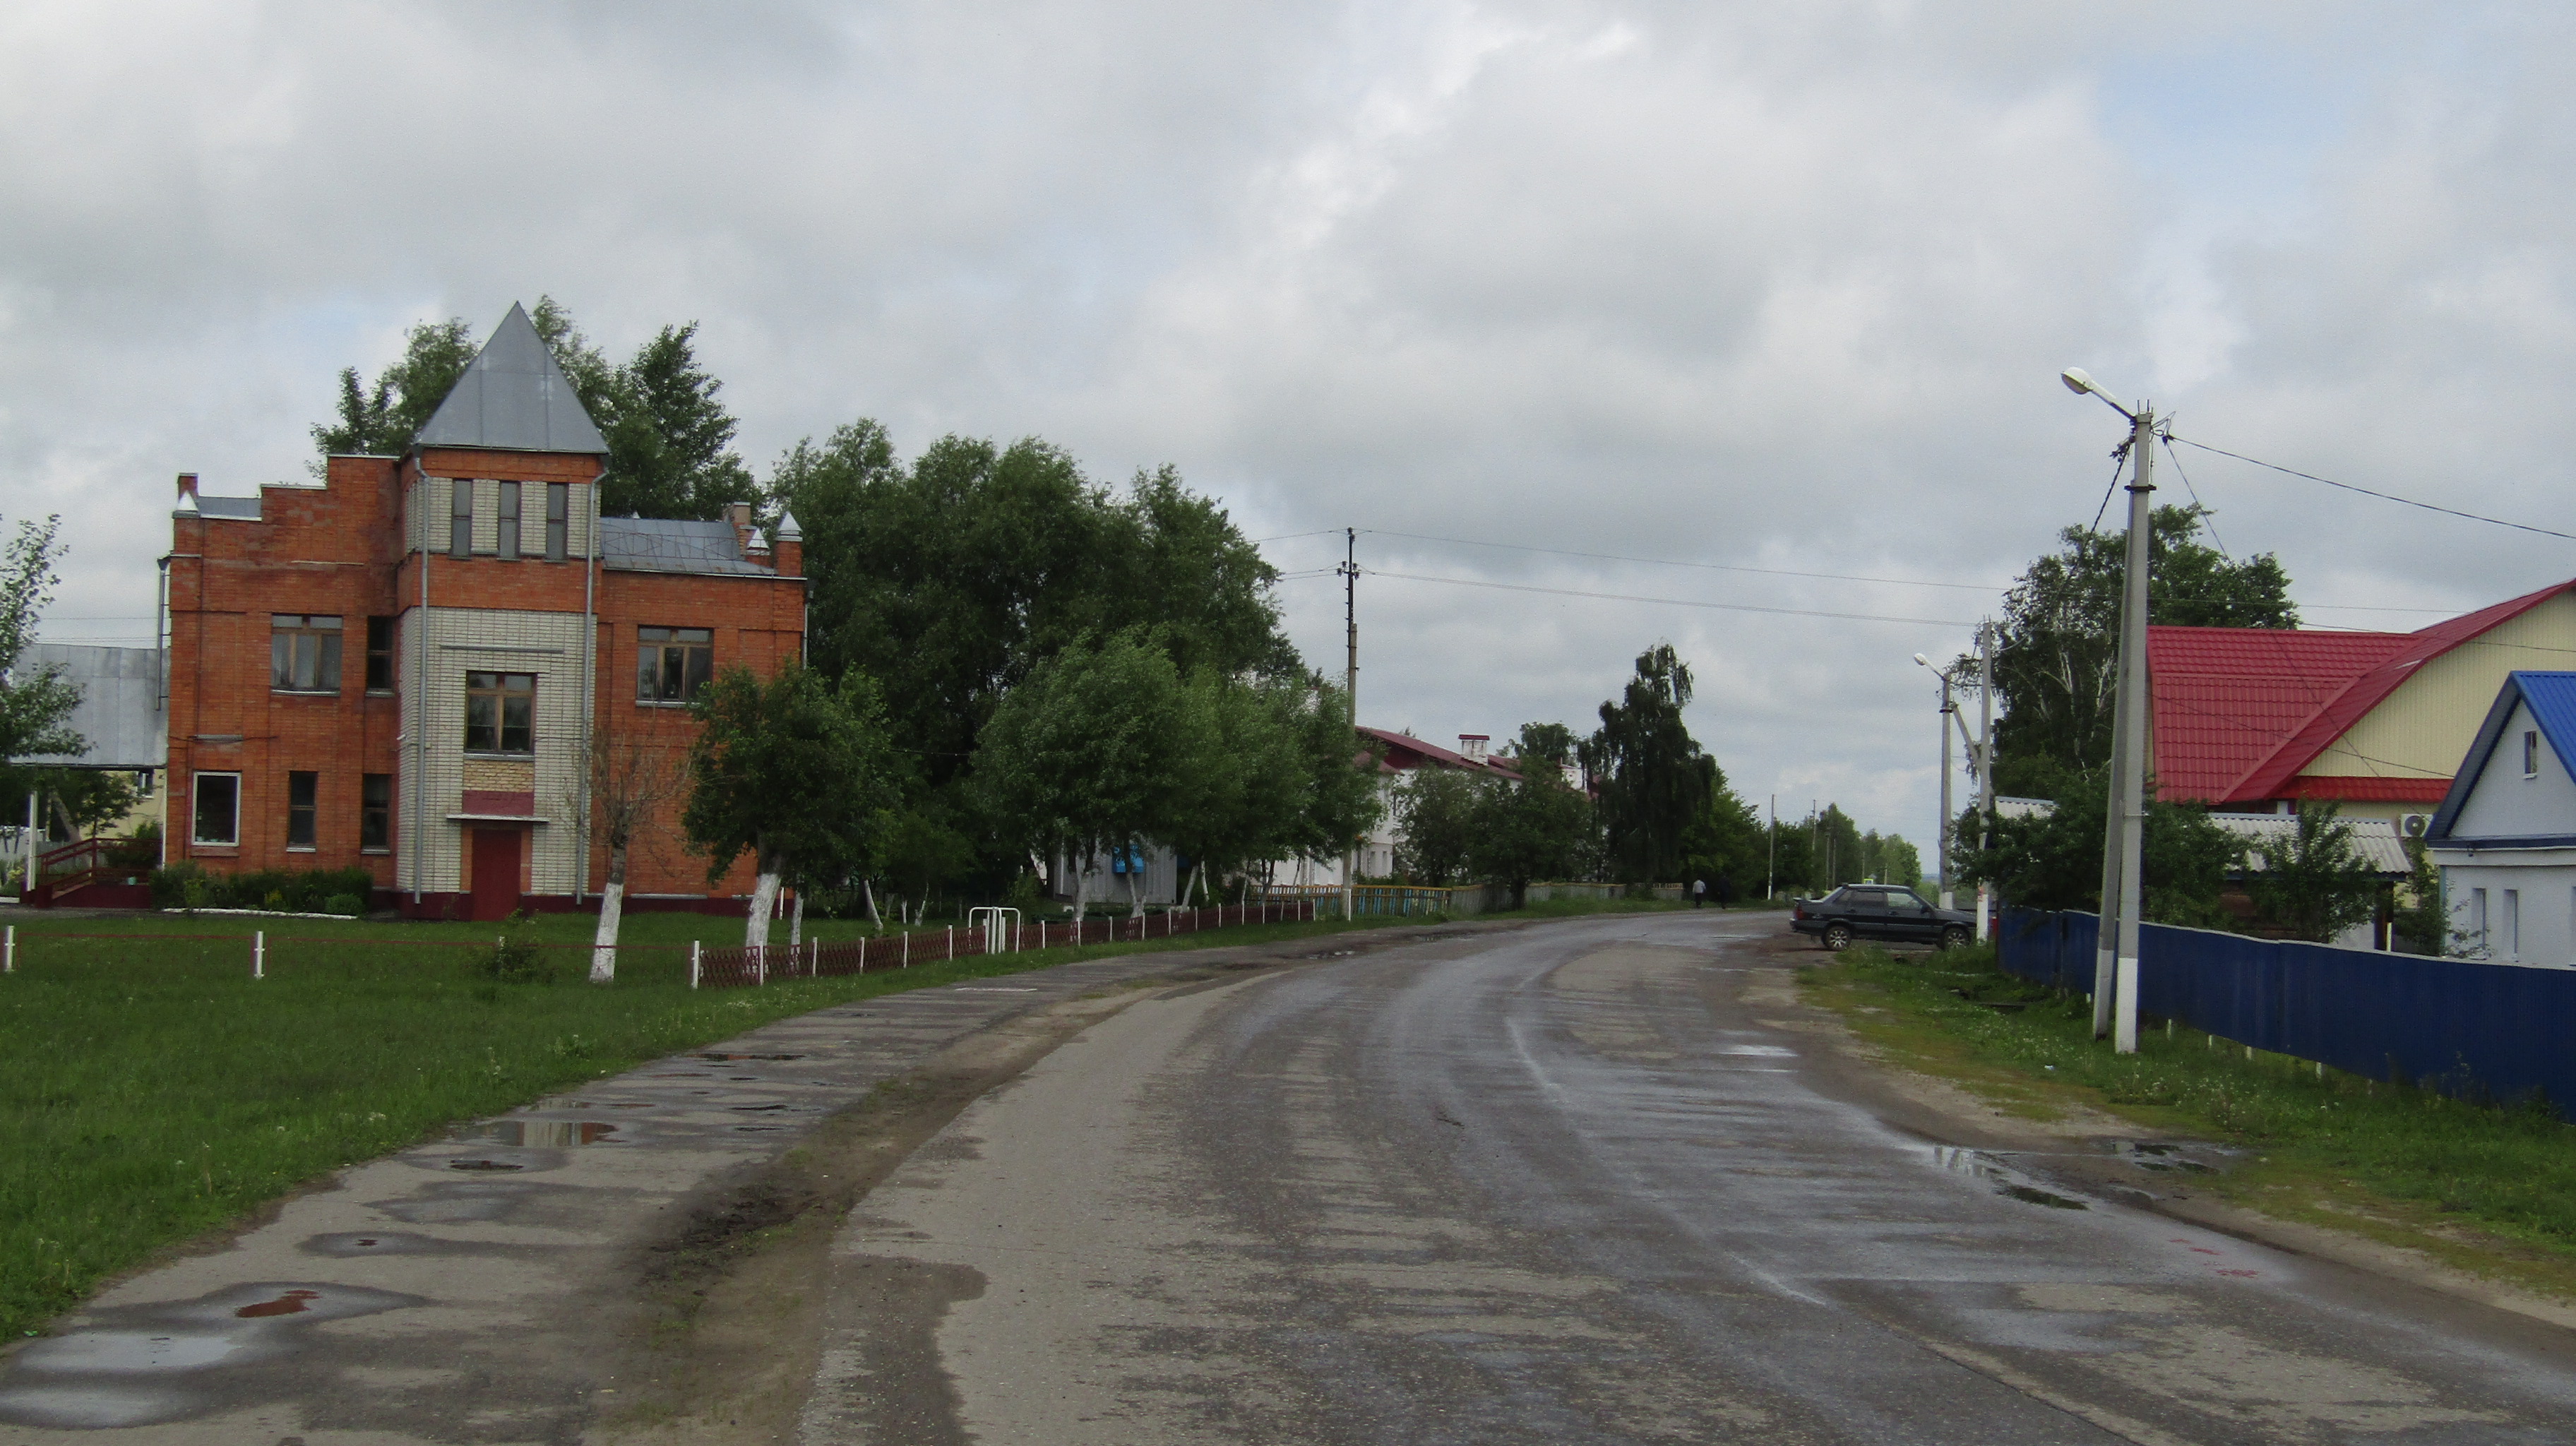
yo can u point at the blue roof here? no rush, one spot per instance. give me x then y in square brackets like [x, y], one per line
[2552, 698]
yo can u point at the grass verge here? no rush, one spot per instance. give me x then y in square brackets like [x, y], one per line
[2488, 1190]
[150, 1090]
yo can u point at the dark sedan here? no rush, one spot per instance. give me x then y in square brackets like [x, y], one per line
[1880, 911]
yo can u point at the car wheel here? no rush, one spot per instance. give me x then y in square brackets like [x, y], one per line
[1838, 937]
[1954, 937]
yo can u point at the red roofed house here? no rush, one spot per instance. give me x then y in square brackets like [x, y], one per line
[2257, 719]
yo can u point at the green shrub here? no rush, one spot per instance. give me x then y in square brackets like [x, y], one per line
[515, 959]
[303, 891]
[348, 905]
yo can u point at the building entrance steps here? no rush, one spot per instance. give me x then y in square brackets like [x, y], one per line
[480, 1286]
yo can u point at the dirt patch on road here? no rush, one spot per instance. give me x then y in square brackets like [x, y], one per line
[729, 1333]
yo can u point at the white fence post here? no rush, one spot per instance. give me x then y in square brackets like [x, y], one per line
[9, 952]
[693, 963]
[259, 954]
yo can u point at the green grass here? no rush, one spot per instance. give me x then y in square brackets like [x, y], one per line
[150, 1090]
[2405, 1166]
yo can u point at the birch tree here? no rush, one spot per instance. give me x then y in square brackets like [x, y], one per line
[631, 782]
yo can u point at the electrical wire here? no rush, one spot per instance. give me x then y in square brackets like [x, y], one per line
[1673, 601]
[2382, 496]
[1668, 562]
[2205, 513]
[2119, 464]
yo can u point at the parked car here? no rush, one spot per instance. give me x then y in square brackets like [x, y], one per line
[1880, 911]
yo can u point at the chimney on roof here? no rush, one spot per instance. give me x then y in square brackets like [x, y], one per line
[1473, 745]
[187, 492]
[739, 515]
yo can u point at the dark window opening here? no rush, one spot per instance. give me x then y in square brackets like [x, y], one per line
[304, 653]
[380, 655]
[500, 713]
[460, 519]
[303, 794]
[672, 664]
[218, 808]
[376, 811]
[558, 519]
[508, 543]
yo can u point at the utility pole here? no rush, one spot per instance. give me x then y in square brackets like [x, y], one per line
[2115, 958]
[1949, 711]
[1985, 766]
[1771, 871]
[1351, 680]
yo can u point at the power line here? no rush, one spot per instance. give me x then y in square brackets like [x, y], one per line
[1668, 562]
[2382, 496]
[1293, 536]
[1675, 601]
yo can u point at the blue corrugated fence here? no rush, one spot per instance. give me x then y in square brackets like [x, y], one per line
[2466, 1028]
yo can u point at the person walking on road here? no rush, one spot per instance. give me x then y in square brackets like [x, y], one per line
[1699, 892]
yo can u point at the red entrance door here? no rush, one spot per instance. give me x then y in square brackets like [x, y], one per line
[496, 872]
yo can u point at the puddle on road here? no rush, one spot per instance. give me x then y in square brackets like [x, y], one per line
[1978, 1165]
[483, 1165]
[724, 1058]
[288, 1303]
[349, 1243]
[542, 1134]
[2161, 1156]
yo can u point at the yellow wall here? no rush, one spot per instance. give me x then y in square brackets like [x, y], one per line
[2422, 729]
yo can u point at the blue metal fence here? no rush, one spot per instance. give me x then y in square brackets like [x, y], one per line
[2503, 1030]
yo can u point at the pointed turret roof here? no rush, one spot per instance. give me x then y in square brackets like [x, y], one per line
[513, 398]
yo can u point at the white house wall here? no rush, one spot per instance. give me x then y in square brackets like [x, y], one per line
[2542, 883]
[2505, 804]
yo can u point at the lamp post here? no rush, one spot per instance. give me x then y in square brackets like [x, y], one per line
[2115, 958]
[1949, 710]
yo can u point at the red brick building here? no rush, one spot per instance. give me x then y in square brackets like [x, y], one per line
[405, 666]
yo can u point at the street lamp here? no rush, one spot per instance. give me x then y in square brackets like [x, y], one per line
[2115, 956]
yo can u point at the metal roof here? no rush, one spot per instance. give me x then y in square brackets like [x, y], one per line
[2375, 839]
[120, 707]
[513, 398]
[2240, 711]
[227, 509]
[664, 544]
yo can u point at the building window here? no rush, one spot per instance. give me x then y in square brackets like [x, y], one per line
[509, 521]
[218, 808]
[303, 793]
[2513, 923]
[380, 655]
[460, 518]
[500, 713]
[303, 653]
[2478, 919]
[558, 519]
[376, 811]
[2531, 755]
[672, 664]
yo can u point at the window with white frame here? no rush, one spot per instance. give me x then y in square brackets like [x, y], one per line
[217, 809]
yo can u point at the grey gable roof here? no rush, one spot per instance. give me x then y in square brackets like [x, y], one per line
[513, 398]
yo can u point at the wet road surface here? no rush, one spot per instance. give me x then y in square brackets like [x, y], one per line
[1595, 1181]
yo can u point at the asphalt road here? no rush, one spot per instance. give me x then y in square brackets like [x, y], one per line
[1595, 1181]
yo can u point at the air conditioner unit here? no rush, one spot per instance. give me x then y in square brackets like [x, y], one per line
[2414, 825]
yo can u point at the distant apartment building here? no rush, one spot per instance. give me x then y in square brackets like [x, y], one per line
[405, 666]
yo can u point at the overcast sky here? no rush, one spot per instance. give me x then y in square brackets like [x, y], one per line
[1735, 287]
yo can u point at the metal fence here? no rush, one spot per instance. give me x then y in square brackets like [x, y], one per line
[2470, 1029]
[723, 968]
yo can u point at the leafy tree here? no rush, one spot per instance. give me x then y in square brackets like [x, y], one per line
[793, 770]
[924, 850]
[2056, 659]
[1529, 828]
[381, 420]
[1247, 793]
[35, 705]
[2055, 861]
[1437, 813]
[2314, 884]
[1653, 779]
[1076, 759]
[2423, 924]
[1726, 845]
[1338, 777]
